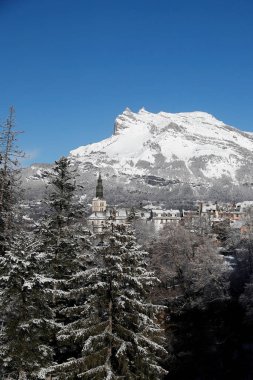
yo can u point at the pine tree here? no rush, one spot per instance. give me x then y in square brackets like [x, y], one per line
[58, 240]
[26, 318]
[9, 179]
[115, 325]
[64, 240]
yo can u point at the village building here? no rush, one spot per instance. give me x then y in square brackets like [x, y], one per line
[207, 207]
[244, 206]
[161, 217]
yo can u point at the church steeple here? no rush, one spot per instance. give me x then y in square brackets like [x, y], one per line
[99, 203]
[99, 188]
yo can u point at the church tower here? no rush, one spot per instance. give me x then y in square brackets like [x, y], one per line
[99, 188]
[99, 203]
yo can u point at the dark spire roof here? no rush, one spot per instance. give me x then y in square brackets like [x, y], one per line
[99, 188]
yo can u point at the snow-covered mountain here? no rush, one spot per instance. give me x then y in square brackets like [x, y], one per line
[192, 146]
[172, 158]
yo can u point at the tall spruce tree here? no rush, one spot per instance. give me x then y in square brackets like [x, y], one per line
[115, 325]
[64, 240]
[17, 304]
[27, 324]
[58, 240]
[9, 179]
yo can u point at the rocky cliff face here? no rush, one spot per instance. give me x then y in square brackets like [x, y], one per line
[169, 157]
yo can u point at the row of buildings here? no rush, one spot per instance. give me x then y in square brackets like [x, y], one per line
[208, 214]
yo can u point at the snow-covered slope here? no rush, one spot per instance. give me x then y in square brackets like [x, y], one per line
[190, 146]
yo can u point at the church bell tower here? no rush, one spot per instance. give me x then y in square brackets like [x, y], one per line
[99, 188]
[99, 203]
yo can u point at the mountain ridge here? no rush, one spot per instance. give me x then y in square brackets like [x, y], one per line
[140, 139]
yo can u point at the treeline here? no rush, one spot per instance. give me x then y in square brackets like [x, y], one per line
[70, 309]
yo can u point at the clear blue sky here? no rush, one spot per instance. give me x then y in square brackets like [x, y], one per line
[70, 67]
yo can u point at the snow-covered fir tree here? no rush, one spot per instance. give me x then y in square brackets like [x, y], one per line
[9, 179]
[114, 323]
[64, 241]
[27, 323]
[57, 232]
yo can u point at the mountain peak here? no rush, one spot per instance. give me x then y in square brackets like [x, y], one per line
[144, 118]
[143, 110]
[127, 111]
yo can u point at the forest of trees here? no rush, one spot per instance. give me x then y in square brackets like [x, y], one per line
[143, 306]
[71, 309]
